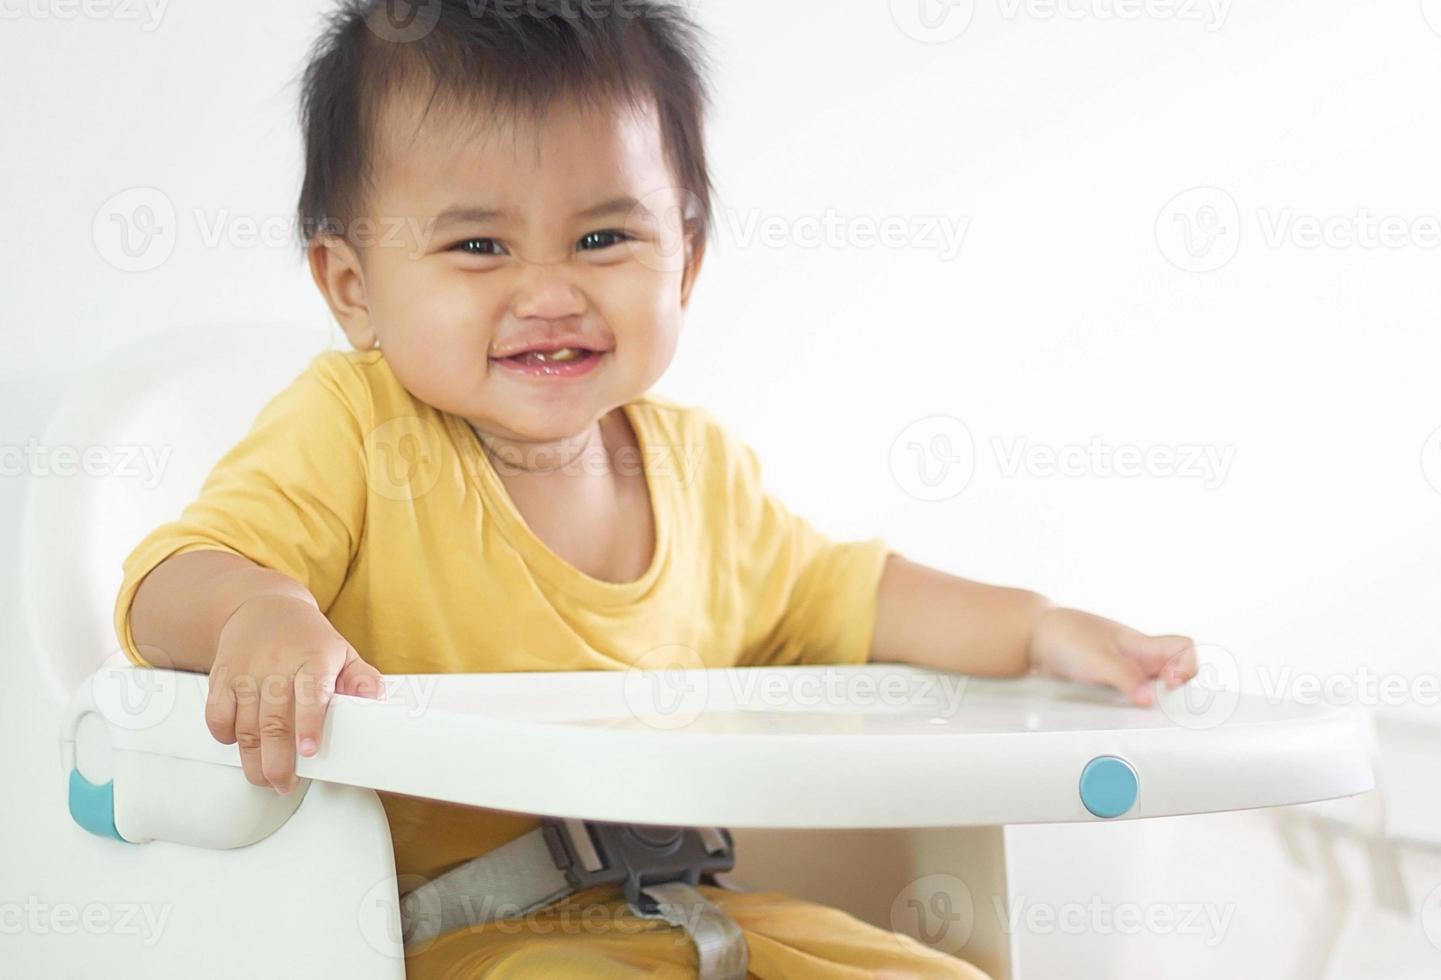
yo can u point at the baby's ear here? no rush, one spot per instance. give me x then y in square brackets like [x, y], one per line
[336, 269]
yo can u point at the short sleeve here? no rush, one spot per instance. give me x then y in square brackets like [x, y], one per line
[289, 496]
[809, 599]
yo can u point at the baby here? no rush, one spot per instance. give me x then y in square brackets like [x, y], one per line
[506, 206]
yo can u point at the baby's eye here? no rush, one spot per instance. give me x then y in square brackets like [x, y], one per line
[597, 240]
[486, 246]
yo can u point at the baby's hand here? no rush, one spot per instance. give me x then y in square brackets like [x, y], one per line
[1081, 647]
[277, 663]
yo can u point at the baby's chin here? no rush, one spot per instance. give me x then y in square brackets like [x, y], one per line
[537, 421]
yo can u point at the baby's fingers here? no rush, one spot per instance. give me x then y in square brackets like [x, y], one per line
[1122, 673]
[220, 709]
[1170, 658]
[247, 727]
[314, 686]
[277, 731]
[358, 679]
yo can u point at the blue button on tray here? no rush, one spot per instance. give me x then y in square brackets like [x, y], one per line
[1108, 786]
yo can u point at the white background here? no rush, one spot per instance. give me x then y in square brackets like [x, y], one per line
[1073, 314]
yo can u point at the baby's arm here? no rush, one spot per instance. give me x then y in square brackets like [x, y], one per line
[272, 656]
[182, 604]
[932, 619]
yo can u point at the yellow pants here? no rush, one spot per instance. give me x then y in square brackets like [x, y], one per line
[593, 933]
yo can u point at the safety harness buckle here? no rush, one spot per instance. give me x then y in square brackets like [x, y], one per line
[637, 856]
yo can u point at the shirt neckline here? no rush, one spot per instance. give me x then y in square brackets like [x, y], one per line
[538, 556]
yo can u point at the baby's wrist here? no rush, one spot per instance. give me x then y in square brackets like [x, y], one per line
[263, 596]
[250, 602]
[1041, 610]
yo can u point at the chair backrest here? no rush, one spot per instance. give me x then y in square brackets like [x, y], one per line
[128, 446]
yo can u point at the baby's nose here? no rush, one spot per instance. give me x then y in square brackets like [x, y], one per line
[548, 294]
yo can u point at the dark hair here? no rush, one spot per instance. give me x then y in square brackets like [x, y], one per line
[503, 57]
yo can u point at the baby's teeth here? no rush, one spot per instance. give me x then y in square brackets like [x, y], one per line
[564, 354]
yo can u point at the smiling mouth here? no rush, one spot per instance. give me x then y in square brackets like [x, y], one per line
[564, 355]
[567, 362]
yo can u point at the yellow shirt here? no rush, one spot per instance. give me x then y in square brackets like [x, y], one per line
[390, 512]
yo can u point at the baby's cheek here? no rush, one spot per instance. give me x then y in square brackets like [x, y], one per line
[446, 323]
[661, 338]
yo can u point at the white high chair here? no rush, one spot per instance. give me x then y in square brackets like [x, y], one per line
[888, 799]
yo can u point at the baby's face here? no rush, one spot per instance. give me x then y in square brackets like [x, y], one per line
[512, 236]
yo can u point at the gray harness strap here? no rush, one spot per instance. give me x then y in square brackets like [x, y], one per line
[513, 879]
[657, 867]
[719, 943]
